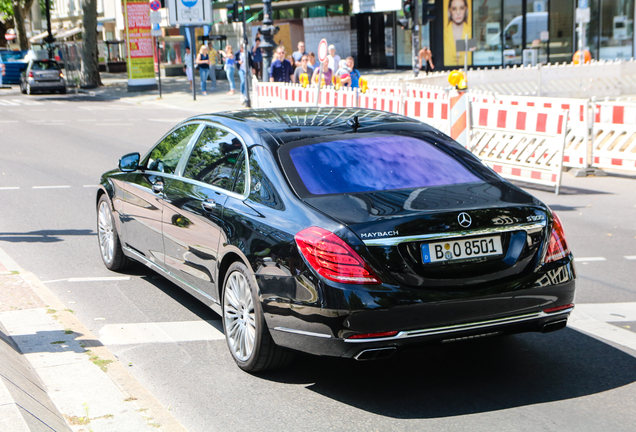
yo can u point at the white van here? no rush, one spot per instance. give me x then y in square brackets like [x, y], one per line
[536, 22]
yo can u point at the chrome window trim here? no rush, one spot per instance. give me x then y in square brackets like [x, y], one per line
[462, 327]
[530, 228]
[246, 170]
[196, 134]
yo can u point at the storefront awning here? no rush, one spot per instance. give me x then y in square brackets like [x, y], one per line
[38, 38]
[68, 33]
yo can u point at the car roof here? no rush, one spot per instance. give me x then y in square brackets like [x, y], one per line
[296, 123]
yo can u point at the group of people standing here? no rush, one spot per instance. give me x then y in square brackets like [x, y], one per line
[334, 69]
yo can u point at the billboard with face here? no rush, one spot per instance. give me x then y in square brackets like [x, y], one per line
[457, 26]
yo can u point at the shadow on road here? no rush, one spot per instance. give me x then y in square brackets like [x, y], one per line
[43, 236]
[467, 378]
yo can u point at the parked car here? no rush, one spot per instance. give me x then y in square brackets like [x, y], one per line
[42, 75]
[338, 232]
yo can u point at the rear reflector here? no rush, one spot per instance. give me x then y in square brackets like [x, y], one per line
[332, 258]
[558, 247]
[373, 335]
[558, 308]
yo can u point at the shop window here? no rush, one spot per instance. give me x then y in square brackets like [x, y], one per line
[617, 29]
[317, 12]
[284, 14]
[537, 35]
[563, 40]
[512, 32]
[487, 33]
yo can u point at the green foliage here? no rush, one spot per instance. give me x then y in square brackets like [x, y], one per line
[43, 6]
[6, 10]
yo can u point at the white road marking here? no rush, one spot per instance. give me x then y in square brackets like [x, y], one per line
[609, 312]
[35, 121]
[581, 320]
[166, 332]
[51, 187]
[630, 257]
[113, 124]
[87, 120]
[8, 121]
[9, 187]
[100, 279]
[90, 186]
[166, 120]
[7, 103]
[590, 259]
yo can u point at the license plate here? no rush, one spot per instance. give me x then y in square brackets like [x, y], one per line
[461, 249]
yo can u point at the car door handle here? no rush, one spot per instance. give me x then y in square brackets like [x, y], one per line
[209, 205]
[157, 187]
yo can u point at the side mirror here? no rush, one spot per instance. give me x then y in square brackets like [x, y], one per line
[129, 162]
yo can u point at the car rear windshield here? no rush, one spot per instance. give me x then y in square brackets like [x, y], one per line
[45, 65]
[369, 164]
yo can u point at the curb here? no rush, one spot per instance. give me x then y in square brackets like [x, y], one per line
[128, 404]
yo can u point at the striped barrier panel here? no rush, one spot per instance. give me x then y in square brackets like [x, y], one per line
[380, 102]
[578, 148]
[614, 136]
[296, 95]
[458, 105]
[432, 111]
[342, 98]
[524, 144]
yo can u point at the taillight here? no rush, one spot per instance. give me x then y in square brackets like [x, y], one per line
[557, 248]
[61, 75]
[332, 258]
[30, 74]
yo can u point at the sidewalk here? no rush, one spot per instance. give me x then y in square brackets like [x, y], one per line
[56, 375]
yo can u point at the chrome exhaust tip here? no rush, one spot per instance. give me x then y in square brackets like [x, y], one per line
[554, 325]
[375, 353]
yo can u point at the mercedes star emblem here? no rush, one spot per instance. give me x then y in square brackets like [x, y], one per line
[464, 219]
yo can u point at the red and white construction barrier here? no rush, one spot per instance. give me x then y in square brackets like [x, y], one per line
[524, 144]
[614, 136]
[432, 111]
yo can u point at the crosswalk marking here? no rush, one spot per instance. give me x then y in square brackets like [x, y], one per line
[4, 102]
[162, 332]
[590, 259]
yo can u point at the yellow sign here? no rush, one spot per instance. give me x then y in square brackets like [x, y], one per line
[140, 58]
[457, 26]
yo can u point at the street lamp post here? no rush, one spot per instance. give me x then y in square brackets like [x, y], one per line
[268, 31]
[49, 39]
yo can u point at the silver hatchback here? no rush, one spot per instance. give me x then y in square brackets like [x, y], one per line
[42, 75]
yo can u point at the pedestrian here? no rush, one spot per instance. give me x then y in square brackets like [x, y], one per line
[313, 62]
[426, 56]
[353, 73]
[334, 59]
[188, 66]
[343, 75]
[298, 55]
[242, 62]
[203, 62]
[304, 68]
[228, 59]
[281, 69]
[327, 74]
[214, 60]
[257, 58]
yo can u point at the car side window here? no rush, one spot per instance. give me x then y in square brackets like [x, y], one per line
[261, 189]
[214, 157]
[165, 156]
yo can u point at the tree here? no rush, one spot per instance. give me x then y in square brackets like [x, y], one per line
[6, 19]
[90, 59]
[20, 10]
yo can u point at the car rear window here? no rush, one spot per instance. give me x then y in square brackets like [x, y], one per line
[45, 65]
[368, 164]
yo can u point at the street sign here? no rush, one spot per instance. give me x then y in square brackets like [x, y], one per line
[583, 15]
[189, 12]
[155, 22]
[322, 50]
[155, 5]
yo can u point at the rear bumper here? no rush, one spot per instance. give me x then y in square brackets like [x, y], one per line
[47, 84]
[427, 319]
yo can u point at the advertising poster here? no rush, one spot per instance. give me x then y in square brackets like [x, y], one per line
[457, 26]
[140, 61]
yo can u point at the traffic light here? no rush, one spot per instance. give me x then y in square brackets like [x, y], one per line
[407, 8]
[233, 13]
[428, 12]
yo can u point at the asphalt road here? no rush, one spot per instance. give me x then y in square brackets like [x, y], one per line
[52, 153]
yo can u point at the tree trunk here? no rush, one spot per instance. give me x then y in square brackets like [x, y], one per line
[20, 10]
[90, 60]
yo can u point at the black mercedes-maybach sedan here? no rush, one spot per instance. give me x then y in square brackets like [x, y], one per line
[338, 232]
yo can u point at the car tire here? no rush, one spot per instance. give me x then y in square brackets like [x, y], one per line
[28, 89]
[246, 333]
[22, 89]
[109, 243]
[63, 90]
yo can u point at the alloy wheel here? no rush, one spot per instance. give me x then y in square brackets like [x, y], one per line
[106, 233]
[240, 320]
